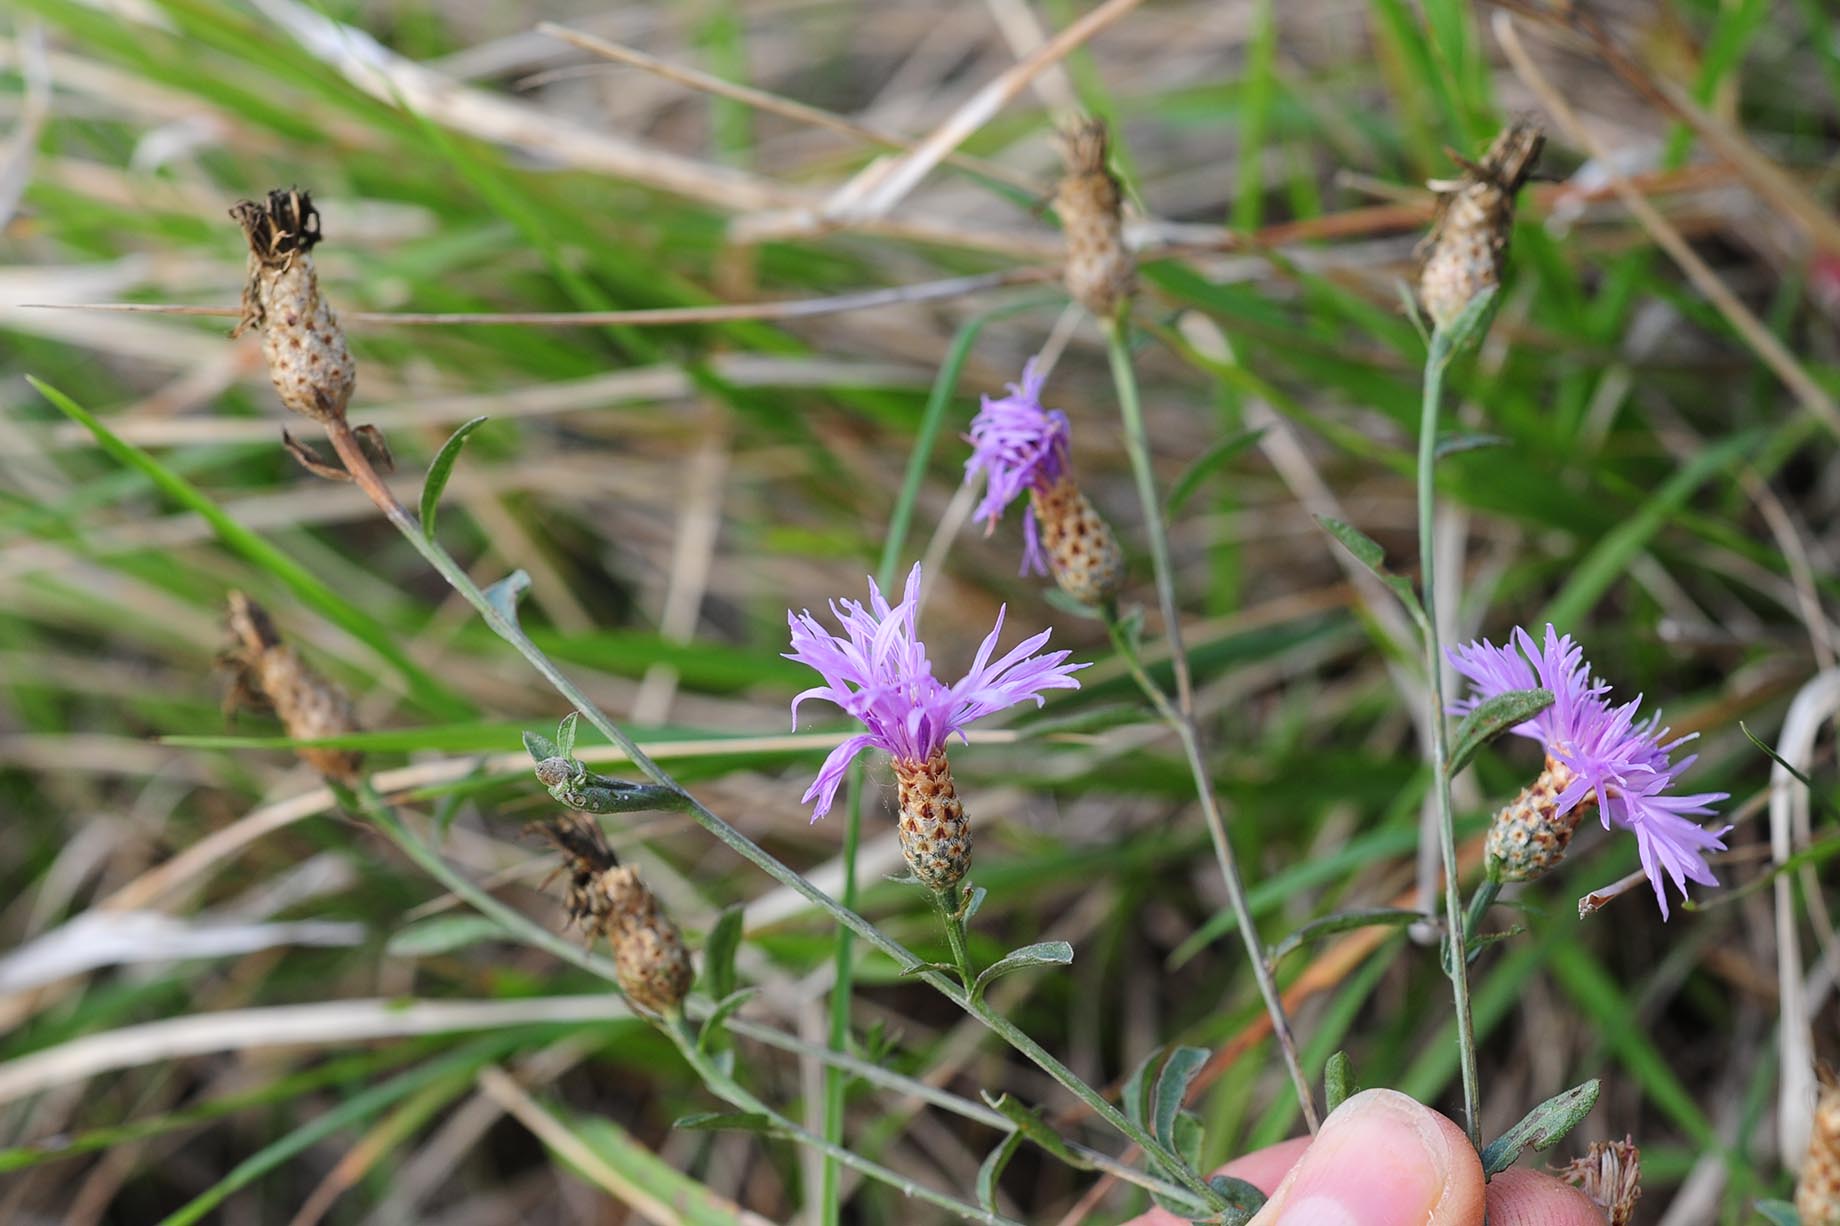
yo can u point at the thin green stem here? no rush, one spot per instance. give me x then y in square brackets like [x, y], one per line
[731, 1091]
[1180, 716]
[1456, 964]
[947, 901]
[504, 624]
[836, 1085]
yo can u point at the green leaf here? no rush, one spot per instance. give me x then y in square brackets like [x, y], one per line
[1541, 1127]
[1342, 921]
[1043, 953]
[1187, 1137]
[1368, 553]
[443, 934]
[719, 954]
[291, 574]
[1335, 1081]
[725, 1009]
[441, 470]
[565, 734]
[1209, 460]
[727, 1121]
[1491, 718]
[541, 748]
[1171, 1088]
[1243, 1199]
[1779, 1213]
[991, 1169]
[1456, 444]
[638, 1167]
[974, 901]
[503, 596]
[1135, 1096]
[1032, 1126]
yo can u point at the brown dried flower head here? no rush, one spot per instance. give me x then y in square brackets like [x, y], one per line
[268, 675]
[1100, 272]
[1469, 239]
[1610, 1173]
[606, 898]
[1529, 836]
[1817, 1190]
[307, 357]
[934, 830]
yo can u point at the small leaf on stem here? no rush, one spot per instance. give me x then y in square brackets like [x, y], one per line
[540, 747]
[727, 1121]
[1540, 1128]
[1172, 1087]
[441, 470]
[719, 954]
[1492, 718]
[991, 1169]
[1336, 1080]
[1043, 953]
[565, 734]
[1342, 921]
[503, 596]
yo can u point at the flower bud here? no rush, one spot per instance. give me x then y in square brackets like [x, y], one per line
[307, 357]
[1610, 1173]
[935, 833]
[269, 674]
[1469, 240]
[1528, 837]
[1100, 271]
[1817, 1191]
[1080, 547]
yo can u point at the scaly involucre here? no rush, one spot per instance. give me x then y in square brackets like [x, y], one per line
[878, 671]
[1020, 446]
[1626, 765]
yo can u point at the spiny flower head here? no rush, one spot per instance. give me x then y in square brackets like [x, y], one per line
[1623, 764]
[1020, 446]
[878, 671]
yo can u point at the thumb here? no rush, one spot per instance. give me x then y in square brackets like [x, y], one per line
[1381, 1159]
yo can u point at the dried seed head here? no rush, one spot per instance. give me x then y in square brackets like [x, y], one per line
[935, 833]
[1610, 1173]
[1469, 240]
[1081, 550]
[307, 357]
[1100, 271]
[585, 856]
[648, 951]
[268, 674]
[1817, 1191]
[1528, 838]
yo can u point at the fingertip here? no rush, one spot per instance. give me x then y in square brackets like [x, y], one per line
[1520, 1197]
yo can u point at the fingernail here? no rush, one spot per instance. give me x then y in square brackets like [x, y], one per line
[1380, 1160]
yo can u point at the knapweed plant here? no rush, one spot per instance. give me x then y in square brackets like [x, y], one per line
[1119, 722]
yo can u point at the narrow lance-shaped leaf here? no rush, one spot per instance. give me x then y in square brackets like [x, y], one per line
[565, 733]
[1779, 1213]
[1341, 921]
[718, 1016]
[727, 1121]
[1541, 1128]
[441, 470]
[719, 954]
[1172, 1087]
[1044, 953]
[1336, 1075]
[1492, 718]
[503, 596]
[443, 934]
[991, 1169]
[1035, 1129]
[1368, 553]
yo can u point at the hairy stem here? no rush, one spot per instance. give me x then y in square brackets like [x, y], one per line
[507, 628]
[948, 903]
[1456, 961]
[1180, 714]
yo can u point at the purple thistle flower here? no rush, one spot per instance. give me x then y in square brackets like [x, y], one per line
[1021, 446]
[1623, 764]
[878, 672]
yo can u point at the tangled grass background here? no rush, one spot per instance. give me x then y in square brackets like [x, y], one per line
[228, 997]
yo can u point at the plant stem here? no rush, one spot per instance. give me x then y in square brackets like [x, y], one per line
[1479, 904]
[504, 624]
[731, 1091]
[947, 903]
[1180, 714]
[1456, 962]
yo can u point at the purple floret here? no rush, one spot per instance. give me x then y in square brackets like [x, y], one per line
[1625, 764]
[878, 672]
[1021, 446]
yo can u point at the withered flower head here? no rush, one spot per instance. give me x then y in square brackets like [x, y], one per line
[1101, 271]
[308, 360]
[1469, 239]
[606, 898]
[1610, 1173]
[267, 674]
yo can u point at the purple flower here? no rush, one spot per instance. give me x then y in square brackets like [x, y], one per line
[1624, 764]
[878, 672]
[1021, 446]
